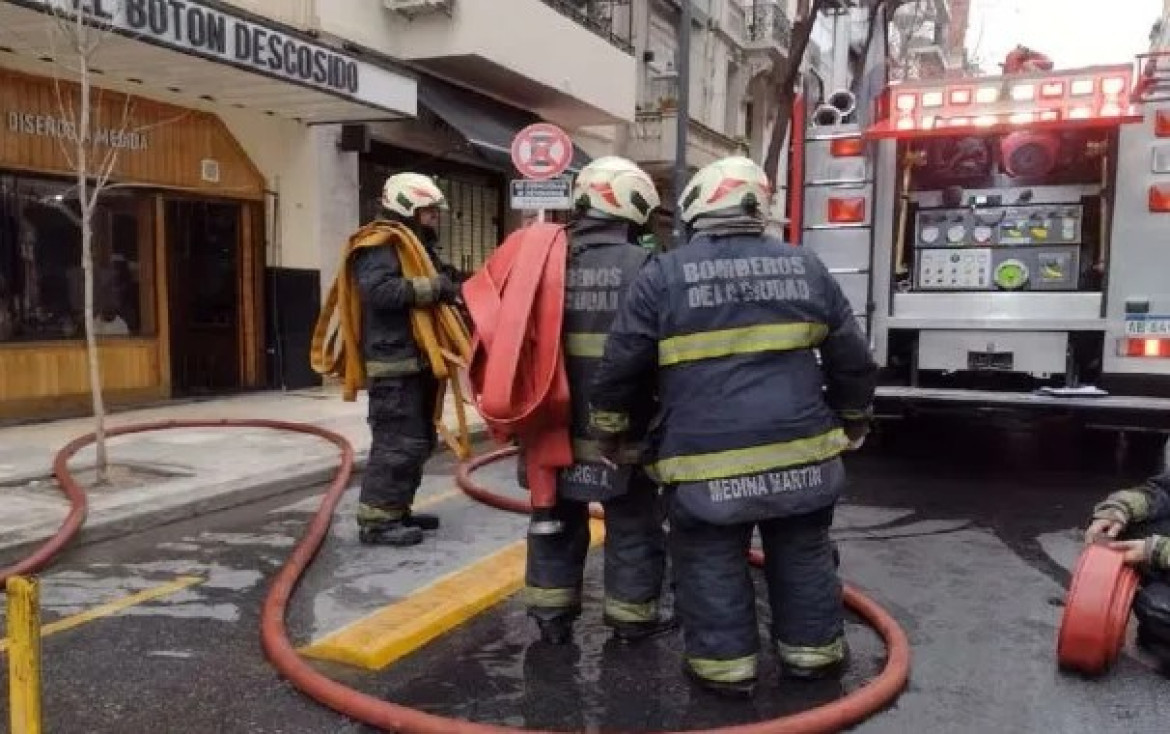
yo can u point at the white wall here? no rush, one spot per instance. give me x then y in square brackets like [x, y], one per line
[317, 187]
[300, 14]
[525, 36]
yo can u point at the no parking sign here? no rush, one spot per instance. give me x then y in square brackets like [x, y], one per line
[542, 151]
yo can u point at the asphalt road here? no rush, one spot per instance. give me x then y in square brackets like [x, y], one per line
[965, 534]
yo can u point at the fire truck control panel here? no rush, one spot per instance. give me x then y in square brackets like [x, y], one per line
[999, 248]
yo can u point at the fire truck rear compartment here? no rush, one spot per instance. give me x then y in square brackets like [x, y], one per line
[1000, 286]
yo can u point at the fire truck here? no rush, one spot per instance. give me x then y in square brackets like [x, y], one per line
[1004, 240]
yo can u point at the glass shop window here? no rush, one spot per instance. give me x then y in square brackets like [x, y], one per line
[42, 295]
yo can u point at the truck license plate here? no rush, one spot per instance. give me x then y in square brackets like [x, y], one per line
[1148, 326]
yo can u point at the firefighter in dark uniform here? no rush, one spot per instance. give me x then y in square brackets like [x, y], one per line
[1137, 522]
[402, 389]
[614, 199]
[751, 427]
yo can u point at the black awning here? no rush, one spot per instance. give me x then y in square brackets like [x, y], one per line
[486, 124]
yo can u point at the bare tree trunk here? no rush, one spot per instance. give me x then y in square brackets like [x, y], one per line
[87, 203]
[785, 88]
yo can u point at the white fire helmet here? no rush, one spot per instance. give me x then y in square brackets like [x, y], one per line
[406, 193]
[616, 187]
[729, 185]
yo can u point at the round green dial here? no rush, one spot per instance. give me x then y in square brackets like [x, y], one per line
[1011, 275]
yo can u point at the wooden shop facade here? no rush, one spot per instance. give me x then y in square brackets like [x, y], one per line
[178, 252]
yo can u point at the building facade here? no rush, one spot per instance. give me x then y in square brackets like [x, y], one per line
[252, 138]
[209, 125]
[734, 46]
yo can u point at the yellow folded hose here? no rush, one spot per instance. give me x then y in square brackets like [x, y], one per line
[438, 330]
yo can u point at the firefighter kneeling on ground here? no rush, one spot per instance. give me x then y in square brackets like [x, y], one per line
[747, 434]
[614, 199]
[1137, 522]
[402, 388]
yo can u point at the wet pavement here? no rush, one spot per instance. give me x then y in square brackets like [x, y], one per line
[965, 533]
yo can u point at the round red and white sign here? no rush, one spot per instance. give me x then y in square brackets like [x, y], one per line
[542, 151]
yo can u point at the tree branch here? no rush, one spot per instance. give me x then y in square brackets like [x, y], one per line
[784, 92]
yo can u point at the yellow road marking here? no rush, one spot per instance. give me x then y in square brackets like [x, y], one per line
[399, 629]
[438, 499]
[111, 608]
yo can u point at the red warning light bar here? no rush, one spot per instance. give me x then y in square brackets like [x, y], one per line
[1095, 97]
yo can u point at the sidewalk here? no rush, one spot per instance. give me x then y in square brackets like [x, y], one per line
[178, 474]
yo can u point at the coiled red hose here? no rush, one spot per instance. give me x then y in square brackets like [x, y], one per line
[389, 716]
[1096, 611]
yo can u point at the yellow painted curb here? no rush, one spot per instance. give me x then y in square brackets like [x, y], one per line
[395, 631]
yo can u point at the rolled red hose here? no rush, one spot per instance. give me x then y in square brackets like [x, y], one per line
[1096, 611]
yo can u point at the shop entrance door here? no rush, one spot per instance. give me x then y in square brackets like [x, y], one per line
[203, 255]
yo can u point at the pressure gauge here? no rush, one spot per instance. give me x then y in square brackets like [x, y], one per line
[956, 234]
[982, 234]
[930, 234]
[1011, 275]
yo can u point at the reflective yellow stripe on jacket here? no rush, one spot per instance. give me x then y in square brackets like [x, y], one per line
[585, 345]
[738, 462]
[739, 341]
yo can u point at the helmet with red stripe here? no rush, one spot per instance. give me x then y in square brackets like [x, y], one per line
[405, 193]
[614, 187]
[735, 185]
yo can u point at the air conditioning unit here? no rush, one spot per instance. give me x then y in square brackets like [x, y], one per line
[415, 8]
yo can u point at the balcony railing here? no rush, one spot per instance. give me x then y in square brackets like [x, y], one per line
[768, 24]
[654, 136]
[660, 95]
[655, 129]
[602, 17]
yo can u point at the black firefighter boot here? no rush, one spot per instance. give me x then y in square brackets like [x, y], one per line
[829, 671]
[421, 520]
[634, 632]
[555, 629]
[396, 533]
[739, 689]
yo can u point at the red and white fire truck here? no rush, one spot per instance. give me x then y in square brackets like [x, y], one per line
[1005, 240]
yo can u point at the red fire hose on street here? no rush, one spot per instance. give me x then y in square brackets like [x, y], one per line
[393, 717]
[519, 321]
[1093, 647]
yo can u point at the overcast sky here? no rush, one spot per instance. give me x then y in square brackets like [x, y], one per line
[1072, 32]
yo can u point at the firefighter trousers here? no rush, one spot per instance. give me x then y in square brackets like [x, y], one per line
[716, 599]
[401, 420]
[635, 558]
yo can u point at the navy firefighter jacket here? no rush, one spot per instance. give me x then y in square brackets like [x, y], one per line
[750, 424]
[602, 265]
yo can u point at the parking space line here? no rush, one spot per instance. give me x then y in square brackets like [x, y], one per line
[111, 608]
[391, 633]
[437, 499]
